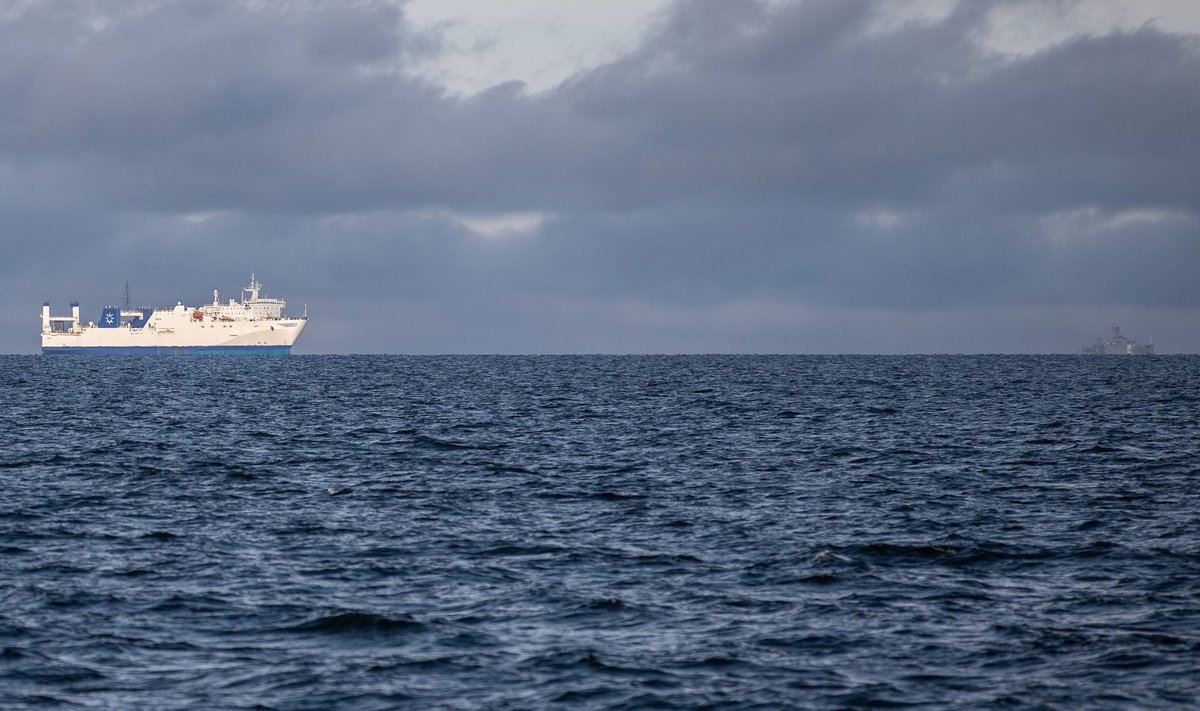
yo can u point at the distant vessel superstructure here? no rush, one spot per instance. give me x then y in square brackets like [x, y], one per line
[253, 324]
[1118, 345]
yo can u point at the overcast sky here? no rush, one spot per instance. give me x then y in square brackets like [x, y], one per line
[549, 176]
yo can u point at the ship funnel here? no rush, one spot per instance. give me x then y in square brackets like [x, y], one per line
[110, 317]
[45, 316]
[74, 315]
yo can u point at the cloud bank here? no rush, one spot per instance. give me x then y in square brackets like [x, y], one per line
[809, 176]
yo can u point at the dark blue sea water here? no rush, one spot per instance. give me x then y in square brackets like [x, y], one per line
[599, 532]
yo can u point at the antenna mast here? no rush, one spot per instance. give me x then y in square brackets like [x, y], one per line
[126, 296]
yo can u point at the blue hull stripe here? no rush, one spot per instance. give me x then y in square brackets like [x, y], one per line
[169, 350]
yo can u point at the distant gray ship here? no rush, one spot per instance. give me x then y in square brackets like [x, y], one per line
[1119, 345]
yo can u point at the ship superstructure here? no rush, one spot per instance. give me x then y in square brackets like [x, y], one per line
[253, 324]
[1119, 345]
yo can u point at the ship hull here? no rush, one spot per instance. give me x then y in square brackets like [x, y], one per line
[178, 334]
[167, 350]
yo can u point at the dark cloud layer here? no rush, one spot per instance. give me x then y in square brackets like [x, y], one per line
[753, 177]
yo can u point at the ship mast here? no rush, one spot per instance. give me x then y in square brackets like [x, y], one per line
[252, 288]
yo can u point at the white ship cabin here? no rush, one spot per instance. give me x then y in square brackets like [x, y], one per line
[253, 306]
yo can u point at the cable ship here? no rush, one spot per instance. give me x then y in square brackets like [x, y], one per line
[255, 324]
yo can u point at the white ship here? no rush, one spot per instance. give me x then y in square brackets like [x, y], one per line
[255, 324]
[1119, 345]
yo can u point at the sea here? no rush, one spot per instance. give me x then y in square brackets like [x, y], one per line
[600, 532]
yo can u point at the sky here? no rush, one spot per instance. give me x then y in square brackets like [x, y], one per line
[652, 176]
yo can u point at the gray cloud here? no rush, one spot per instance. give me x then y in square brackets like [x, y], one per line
[752, 177]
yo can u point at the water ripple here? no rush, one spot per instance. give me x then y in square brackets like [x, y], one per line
[371, 532]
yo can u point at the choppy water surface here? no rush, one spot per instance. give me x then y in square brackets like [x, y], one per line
[599, 532]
